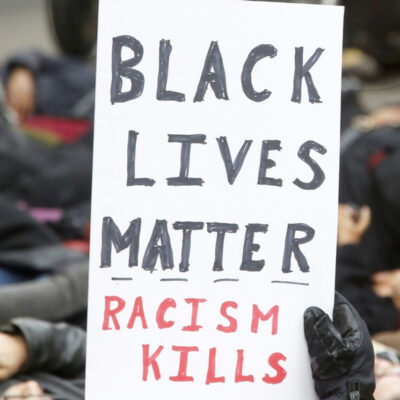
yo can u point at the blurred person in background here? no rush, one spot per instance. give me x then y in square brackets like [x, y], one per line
[45, 186]
[37, 83]
[368, 256]
[387, 373]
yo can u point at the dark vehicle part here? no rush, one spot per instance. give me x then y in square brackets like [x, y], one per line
[74, 24]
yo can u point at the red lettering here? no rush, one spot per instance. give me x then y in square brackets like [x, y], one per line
[183, 360]
[232, 321]
[211, 378]
[193, 327]
[112, 313]
[239, 377]
[257, 315]
[151, 360]
[137, 312]
[273, 361]
[161, 322]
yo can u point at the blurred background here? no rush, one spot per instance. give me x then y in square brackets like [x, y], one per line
[20, 16]
[48, 48]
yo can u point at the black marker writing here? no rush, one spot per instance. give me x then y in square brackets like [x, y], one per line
[131, 163]
[124, 69]
[292, 246]
[162, 92]
[267, 163]
[186, 140]
[221, 229]
[112, 234]
[304, 155]
[248, 264]
[187, 228]
[303, 71]
[232, 168]
[213, 74]
[155, 250]
[257, 54]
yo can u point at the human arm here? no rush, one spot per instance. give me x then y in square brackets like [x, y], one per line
[42, 346]
[352, 224]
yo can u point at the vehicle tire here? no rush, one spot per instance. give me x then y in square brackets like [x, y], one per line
[74, 24]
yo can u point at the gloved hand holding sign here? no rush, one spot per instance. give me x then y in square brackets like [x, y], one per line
[342, 357]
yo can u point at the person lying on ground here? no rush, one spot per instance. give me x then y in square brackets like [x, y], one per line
[38, 357]
[34, 81]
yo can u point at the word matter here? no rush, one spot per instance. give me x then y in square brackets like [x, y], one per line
[159, 245]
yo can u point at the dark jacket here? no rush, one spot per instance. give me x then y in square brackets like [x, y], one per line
[354, 280]
[56, 357]
[370, 175]
[61, 83]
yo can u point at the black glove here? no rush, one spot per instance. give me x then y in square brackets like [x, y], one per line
[342, 357]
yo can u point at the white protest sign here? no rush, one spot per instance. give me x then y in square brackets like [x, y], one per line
[214, 197]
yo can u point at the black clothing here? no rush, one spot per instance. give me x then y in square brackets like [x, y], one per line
[370, 176]
[361, 168]
[60, 82]
[19, 231]
[56, 357]
[38, 180]
[64, 181]
[342, 357]
[42, 259]
[54, 297]
[353, 278]
[44, 177]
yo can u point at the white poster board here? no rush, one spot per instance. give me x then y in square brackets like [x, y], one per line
[216, 179]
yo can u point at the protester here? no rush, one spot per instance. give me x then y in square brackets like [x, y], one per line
[45, 189]
[39, 84]
[370, 175]
[38, 357]
[368, 258]
[353, 278]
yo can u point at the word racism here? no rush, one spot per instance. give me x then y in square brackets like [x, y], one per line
[115, 305]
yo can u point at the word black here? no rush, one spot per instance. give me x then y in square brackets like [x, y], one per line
[213, 73]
